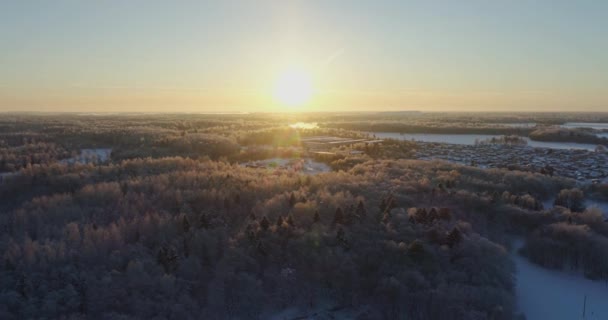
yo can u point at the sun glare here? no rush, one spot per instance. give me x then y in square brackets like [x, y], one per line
[293, 88]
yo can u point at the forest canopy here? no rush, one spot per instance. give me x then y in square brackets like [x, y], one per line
[172, 225]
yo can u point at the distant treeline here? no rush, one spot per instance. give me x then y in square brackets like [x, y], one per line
[30, 140]
[504, 140]
[471, 119]
[409, 128]
[577, 135]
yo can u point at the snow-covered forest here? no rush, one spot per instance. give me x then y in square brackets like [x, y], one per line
[172, 226]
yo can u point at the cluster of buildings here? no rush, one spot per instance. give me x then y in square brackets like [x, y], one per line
[582, 165]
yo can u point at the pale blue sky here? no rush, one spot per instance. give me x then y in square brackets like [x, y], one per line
[364, 55]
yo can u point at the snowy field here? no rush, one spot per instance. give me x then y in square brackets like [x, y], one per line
[305, 166]
[602, 135]
[90, 156]
[602, 205]
[550, 294]
[322, 313]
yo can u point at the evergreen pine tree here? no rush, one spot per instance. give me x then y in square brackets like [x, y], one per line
[361, 212]
[339, 216]
[279, 221]
[317, 217]
[185, 224]
[292, 200]
[454, 237]
[264, 224]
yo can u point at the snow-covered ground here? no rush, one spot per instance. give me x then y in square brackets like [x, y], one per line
[90, 155]
[550, 294]
[602, 205]
[305, 166]
[6, 174]
[314, 167]
[304, 125]
[592, 125]
[323, 312]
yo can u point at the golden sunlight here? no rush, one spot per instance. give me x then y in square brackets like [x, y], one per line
[293, 88]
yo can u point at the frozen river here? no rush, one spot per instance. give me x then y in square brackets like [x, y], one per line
[470, 139]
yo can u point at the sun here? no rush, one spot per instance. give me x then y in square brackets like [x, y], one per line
[293, 88]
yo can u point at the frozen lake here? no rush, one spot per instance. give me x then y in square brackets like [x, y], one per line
[469, 139]
[592, 125]
[551, 294]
